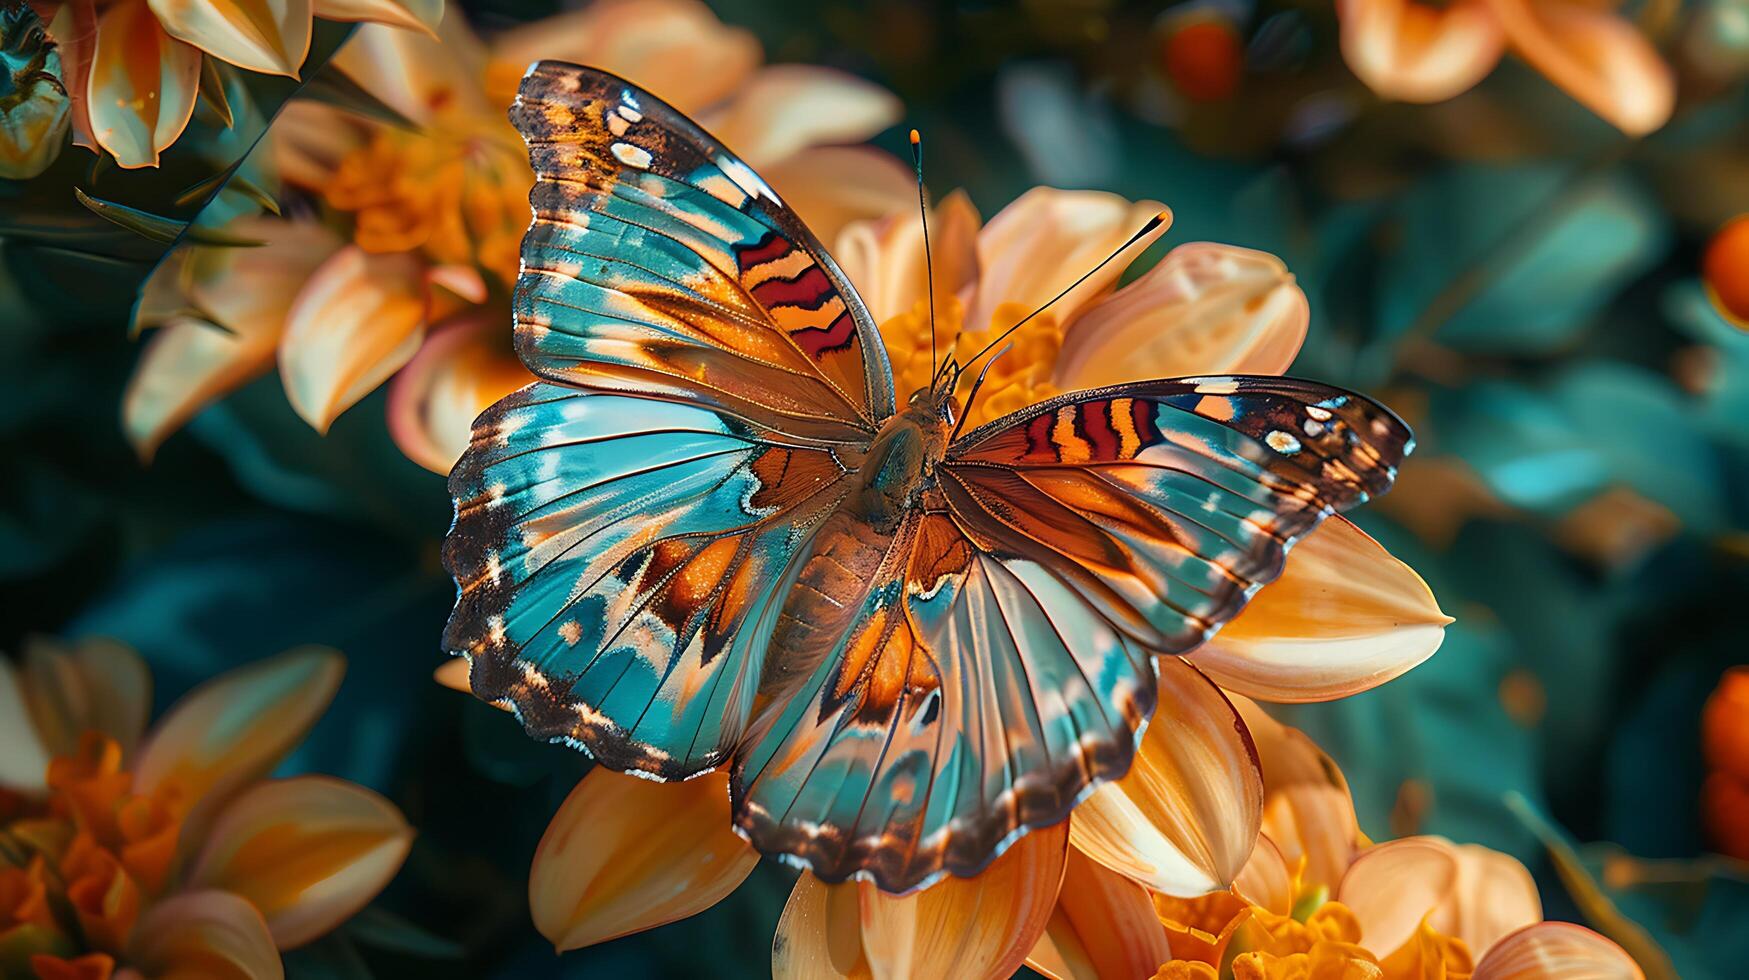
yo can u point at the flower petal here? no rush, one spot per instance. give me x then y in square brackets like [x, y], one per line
[419, 75]
[418, 15]
[885, 262]
[624, 854]
[832, 186]
[1185, 818]
[1597, 56]
[456, 673]
[141, 90]
[24, 760]
[309, 139]
[1344, 617]
[783, 109]
[465, 365]
[1204, 309]
[213, 935]
[234, 729]
[1308, 812]
[1046, 239]
[1418, 52]
[819, 934]
[1559, 950]
[1266, 880]
[307, 852]
[96, 685]
[236, 301]
[357, 320]
[981, 926]
[269, 36]
[676, 49]
[1467, 891]
[1104, 925]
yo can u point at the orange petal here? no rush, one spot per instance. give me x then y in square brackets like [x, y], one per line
[1559, 950]
[1344, 617]
[624, 854]
[465, 365]
[832, 186]
[25, 760]
[309, 139]
[357, 320]
[783, 109]
[1467, 891]
[1418, 52]
[236, 300]
[1185, 818]
[968, 927]
[1046, 239]
[141, 91]
[676, 49]
[1597, 56]
[1266, 880]
[97, 685]
[884, 258]
[307, 852]
[1204, 309]
[419, 75]
[211, 935]
[269, 36]
[819, 934]
[1308, 812]
[418, 15]
[1104, 925]
[234, 729]
[456, 674]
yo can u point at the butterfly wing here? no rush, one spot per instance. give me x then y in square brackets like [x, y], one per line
[1006, 663]
[618, 561]
[660, 264]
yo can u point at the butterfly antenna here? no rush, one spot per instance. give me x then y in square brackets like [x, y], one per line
[972, 397]
[1154, 222]
[928, 261]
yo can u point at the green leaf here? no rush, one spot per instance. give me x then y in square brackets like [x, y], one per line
[142, 223]
[331, 87]
[212, 91]
[385, 930]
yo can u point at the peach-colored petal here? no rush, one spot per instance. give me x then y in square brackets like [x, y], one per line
[968, 928]
[307, 852]
[1205, 308]
[1418, 52]
[236, 301]
[1556, 951]
[1599, 57]
[884, 258]
[1185, 818]
[24, 759]
[1308, 813]
[1467, 891]
[456, 673]
[783, 109]
[676, 49]
[465, 365]
[203, 935]
[418, 75]
[1104, 925]
[418, 15]
[819, 934]
[1266, 880]
[94, 685]
[624, 854]
[832, 186]
[1344, 617]
[142, 86]
[234, 729]
[358, 319]
[309, 139]
[1045, 240]
[269, 36]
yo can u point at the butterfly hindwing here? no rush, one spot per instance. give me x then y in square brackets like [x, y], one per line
[616, 560]
[658, 263]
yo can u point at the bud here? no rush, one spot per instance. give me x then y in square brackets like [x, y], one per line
[34, 108]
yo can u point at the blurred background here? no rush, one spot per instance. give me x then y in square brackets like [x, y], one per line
[1548, 299]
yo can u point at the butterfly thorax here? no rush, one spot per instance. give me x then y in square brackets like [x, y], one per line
[901, 460]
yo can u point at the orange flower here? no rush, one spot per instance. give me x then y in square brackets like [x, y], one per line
[1423, 52]
[420, 293]
[1725, 741]
[134, 65]
[1725, 271]
[1076, 897]
[169, 850]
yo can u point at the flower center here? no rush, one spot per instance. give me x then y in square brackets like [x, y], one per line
[1016, 380]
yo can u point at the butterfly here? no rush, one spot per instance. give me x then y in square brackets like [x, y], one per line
[713, 535]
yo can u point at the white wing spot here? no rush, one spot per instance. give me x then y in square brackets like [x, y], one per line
[632, 156]
[1282, 442]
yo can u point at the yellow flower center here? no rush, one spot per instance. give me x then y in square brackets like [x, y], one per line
[1219, 935]
[1017, 379]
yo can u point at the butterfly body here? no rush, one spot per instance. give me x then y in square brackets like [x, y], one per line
[712, 536]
